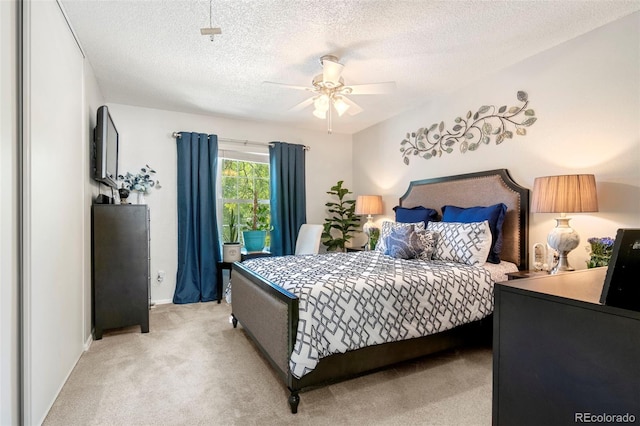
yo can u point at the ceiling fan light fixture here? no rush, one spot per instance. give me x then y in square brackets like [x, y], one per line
[340, 105]
[321, 103]
[320, 114]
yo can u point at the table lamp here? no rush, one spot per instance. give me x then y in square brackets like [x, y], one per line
[369, 205]
[564, 194]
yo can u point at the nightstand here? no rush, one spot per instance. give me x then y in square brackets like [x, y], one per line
[525, 274]
[229, 266]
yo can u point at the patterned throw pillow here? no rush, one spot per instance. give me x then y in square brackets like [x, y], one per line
[407, 243]
[462, 242]
[388, 226]
[403, 243]
[428, 241]
[495, 214]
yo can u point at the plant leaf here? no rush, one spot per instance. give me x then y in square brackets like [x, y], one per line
[521, 131]
[530, 113]
[487, 128]
[502, 109]
[406, 160]
[499, 138]
[457, 128]
[483, 109]
[528, 122]
[513, 110]
[441, 128]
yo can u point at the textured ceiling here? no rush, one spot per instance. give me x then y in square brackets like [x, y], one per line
[150, 52]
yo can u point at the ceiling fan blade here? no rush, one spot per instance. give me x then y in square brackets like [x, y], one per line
[331, 72]
[354, 108]
[302, 105]
[290, 86]
[373, 88]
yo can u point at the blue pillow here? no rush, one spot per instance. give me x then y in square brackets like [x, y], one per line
[415, 214]
[494, 214]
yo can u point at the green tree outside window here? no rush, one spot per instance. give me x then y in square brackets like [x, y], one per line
[240, 180]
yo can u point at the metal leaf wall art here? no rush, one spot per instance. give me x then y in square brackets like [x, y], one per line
[471, 131]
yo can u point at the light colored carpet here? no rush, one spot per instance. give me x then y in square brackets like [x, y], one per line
[193, 368]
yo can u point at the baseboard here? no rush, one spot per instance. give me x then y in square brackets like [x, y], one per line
[161, 302]
[88, 342]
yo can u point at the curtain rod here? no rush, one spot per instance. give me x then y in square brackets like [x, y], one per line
[243, 142]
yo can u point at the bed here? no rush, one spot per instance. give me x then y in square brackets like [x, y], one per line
[272, 316]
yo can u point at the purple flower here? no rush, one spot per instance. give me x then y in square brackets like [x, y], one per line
[601, 249]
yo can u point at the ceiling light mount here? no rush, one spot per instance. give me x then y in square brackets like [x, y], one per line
[211, 30]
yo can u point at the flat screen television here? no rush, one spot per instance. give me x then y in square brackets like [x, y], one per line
[105, 143]
[621, 287]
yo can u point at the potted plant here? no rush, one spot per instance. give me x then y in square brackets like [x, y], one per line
[343, 219]
[231, 246]
[141, 182]
[257, 226]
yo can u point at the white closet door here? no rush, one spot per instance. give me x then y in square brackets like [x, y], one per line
[54, 193]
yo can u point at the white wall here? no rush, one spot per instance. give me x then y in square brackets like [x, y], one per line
[9, 325]
[145, 138]
[586, 96]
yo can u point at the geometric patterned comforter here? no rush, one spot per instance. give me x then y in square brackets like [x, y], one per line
[353, 300]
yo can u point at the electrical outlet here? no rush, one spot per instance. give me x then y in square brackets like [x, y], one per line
[160, 276]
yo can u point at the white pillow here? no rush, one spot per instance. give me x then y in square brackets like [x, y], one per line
[388, 226]
[462, 242]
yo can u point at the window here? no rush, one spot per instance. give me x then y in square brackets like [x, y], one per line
[244, 190]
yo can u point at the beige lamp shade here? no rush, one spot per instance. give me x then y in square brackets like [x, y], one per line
[369, 204]
[564, 194]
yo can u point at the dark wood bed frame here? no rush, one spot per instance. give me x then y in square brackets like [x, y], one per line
[269, 314]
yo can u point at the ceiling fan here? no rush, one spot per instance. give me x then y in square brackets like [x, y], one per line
[330, 91]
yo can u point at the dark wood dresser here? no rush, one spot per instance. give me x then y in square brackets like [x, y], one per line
[559, 356]
[120, 267]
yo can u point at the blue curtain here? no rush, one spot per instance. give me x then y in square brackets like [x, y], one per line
[198, 245]
[288, 195]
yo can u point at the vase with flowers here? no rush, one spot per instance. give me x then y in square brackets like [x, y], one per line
[141, 182]
[600, 251]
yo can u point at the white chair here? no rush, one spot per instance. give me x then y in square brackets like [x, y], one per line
[308, 241]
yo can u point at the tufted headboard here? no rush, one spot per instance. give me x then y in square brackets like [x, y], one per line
[480, 189]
